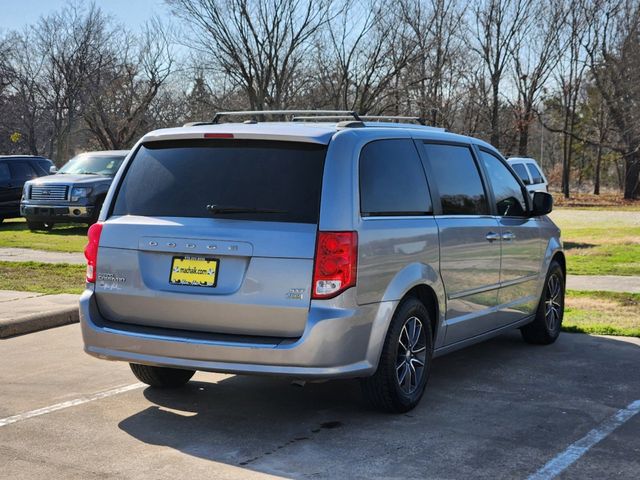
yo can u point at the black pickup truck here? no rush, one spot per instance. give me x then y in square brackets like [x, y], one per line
[74, 194]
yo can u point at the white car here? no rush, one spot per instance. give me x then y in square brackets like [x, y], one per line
[530, 173]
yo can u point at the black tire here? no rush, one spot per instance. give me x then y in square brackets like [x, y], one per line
[386, 390]
[547, 324]
[33, 226]
[161, 377]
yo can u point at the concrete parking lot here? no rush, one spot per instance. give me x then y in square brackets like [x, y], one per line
[502, 409]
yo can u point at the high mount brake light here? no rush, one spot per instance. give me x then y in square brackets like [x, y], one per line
[335, 263]
[91, 251]
[218, 135]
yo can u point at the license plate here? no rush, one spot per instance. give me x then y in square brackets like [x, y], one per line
[194, 271]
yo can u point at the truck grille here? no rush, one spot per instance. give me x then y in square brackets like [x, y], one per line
[48, 192]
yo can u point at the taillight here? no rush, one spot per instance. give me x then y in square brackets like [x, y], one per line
[335, 263]
[91, 251]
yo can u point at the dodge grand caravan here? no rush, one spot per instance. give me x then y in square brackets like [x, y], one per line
[315, 250]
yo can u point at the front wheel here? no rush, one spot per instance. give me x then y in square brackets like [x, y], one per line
[162, 377]
[403, 371]
[546, 326]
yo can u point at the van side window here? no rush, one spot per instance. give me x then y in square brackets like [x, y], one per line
[458, 179]
[521, 170]
[392, 180]
[536, 176]
[508, 193]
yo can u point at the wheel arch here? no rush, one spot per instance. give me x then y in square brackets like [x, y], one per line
[424, 282]
[428, 298]
[561, 259]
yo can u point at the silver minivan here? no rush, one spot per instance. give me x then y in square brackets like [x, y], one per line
[316, 250]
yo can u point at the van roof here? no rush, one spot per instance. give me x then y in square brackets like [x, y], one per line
[296, 131]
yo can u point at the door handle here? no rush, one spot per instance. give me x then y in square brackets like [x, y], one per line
[508, 236]
[492, 236]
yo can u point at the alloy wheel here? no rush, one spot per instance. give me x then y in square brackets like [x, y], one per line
[553, 303]
[412, 354]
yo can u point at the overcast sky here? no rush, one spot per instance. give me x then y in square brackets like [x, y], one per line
[15, 14]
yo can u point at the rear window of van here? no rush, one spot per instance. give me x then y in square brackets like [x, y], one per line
[280, 181]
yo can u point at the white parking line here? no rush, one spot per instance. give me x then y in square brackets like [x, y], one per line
[70, 403]
[561, 462]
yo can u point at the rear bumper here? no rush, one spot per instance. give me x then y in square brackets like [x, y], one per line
[337, 342]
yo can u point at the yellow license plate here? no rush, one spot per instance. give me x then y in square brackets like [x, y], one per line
[195, 271]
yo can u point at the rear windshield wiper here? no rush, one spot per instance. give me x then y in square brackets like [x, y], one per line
[226, 209]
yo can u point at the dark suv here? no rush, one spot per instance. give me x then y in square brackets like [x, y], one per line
[15, 170]
[74, 194]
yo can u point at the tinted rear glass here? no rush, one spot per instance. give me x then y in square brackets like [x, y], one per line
[535, 173]
[458, 180]
[392, 180]
[521, 171]
[180, 178]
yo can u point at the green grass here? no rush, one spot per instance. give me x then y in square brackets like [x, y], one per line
[600, 242]
[605, 260]
[63, 238]
[47, 278]
[603, 313]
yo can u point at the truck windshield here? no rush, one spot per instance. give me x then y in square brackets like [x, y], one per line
[86, 164]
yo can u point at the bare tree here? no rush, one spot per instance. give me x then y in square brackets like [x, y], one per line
[497, 27]
[577, 36]
[121, 92]
[615, 60]
[5, 66]
[534, 59]
[360, 61]
[30, 93]
[435, 72]
[260, 45]
[71, 42]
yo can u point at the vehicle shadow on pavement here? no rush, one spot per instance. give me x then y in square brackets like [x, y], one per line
[483, 402]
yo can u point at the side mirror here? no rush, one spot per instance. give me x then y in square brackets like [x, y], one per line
[53, 169]
[542, 204]
[526, 181]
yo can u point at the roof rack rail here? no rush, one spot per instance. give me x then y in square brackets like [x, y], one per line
[397, 118]
[305, 118]
[255, 113]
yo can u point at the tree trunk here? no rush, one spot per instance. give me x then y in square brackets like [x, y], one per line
[523, 143]
[566, 164]
[596, 180]
[495, 114]
[632, 177]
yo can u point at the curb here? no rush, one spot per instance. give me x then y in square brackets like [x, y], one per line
[39, 321]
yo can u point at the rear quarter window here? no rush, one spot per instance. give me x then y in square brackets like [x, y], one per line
[536, 175]
[180, 178]
[520, 169]
[392, 179]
